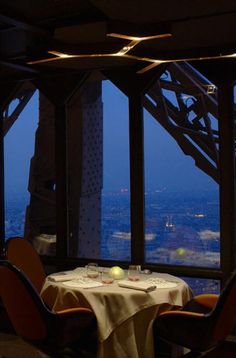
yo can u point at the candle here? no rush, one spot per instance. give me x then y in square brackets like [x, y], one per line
[116, 272]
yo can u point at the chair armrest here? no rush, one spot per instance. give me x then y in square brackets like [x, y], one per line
[73, 324]
[206, 300]
[184, 328]
[201, 303]
[74, 311]
[181, 314]
[80, 317]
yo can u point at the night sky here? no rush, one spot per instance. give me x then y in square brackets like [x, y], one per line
[165, 164]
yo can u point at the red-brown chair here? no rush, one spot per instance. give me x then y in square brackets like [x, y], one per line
[21, 253]
[51, 332]
[202, 324]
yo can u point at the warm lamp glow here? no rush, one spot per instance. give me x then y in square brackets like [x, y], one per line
[116, 272]
[158, 62]
[149, 67]
[138, 38]
[60, 54]
[232, 55]
[124, 52]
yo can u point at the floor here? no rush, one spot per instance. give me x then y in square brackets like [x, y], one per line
[13, 347]
[225, 350]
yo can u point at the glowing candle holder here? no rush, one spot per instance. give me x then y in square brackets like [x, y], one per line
[116, 273]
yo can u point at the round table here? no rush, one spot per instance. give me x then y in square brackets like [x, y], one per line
[124, 316]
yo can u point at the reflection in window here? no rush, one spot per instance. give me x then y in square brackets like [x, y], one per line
[115, 237]
[181, 201]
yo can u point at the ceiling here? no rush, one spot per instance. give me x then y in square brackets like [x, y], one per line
[51, 36]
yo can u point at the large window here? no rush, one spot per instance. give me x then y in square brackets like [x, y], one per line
[181, 158]
[181, 201]
[99, 119]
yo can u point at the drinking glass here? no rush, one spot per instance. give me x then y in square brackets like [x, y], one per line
[106, 278]
[134, 272]
[92, 270]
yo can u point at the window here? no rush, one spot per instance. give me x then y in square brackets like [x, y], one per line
[104, 207]
[18, 151]
[202, 285]
[181, 201]
[115, 235]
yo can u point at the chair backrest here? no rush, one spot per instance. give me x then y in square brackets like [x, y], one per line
[23, 304]
[21, 253]
[225, 310]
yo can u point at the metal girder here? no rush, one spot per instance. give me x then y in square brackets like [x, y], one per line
[185, 104]
[23, 94]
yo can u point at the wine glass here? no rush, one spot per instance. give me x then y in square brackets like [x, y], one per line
[134, 272]
[92, 270]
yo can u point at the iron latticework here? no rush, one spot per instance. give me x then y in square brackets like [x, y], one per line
[18, 100]
[185, 104]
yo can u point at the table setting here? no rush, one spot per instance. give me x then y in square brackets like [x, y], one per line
[125, 303]
[92, 276]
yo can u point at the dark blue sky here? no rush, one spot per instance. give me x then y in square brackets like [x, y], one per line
[165, 164]
[19, 148]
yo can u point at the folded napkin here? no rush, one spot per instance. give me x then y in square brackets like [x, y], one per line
[82, 283]
[62, 276]
[161, 283]
[80, 271]
[140, 285]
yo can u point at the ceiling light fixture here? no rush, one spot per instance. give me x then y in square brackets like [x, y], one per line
[124, 52]
[138, 38]
[126, 48]
[134, 41]
[158, 62]
[61, 56]
[232, 55]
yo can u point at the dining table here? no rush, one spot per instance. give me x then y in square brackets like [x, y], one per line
[124, 312]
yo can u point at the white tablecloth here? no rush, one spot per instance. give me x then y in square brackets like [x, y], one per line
[45, 244]
[124, 315]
